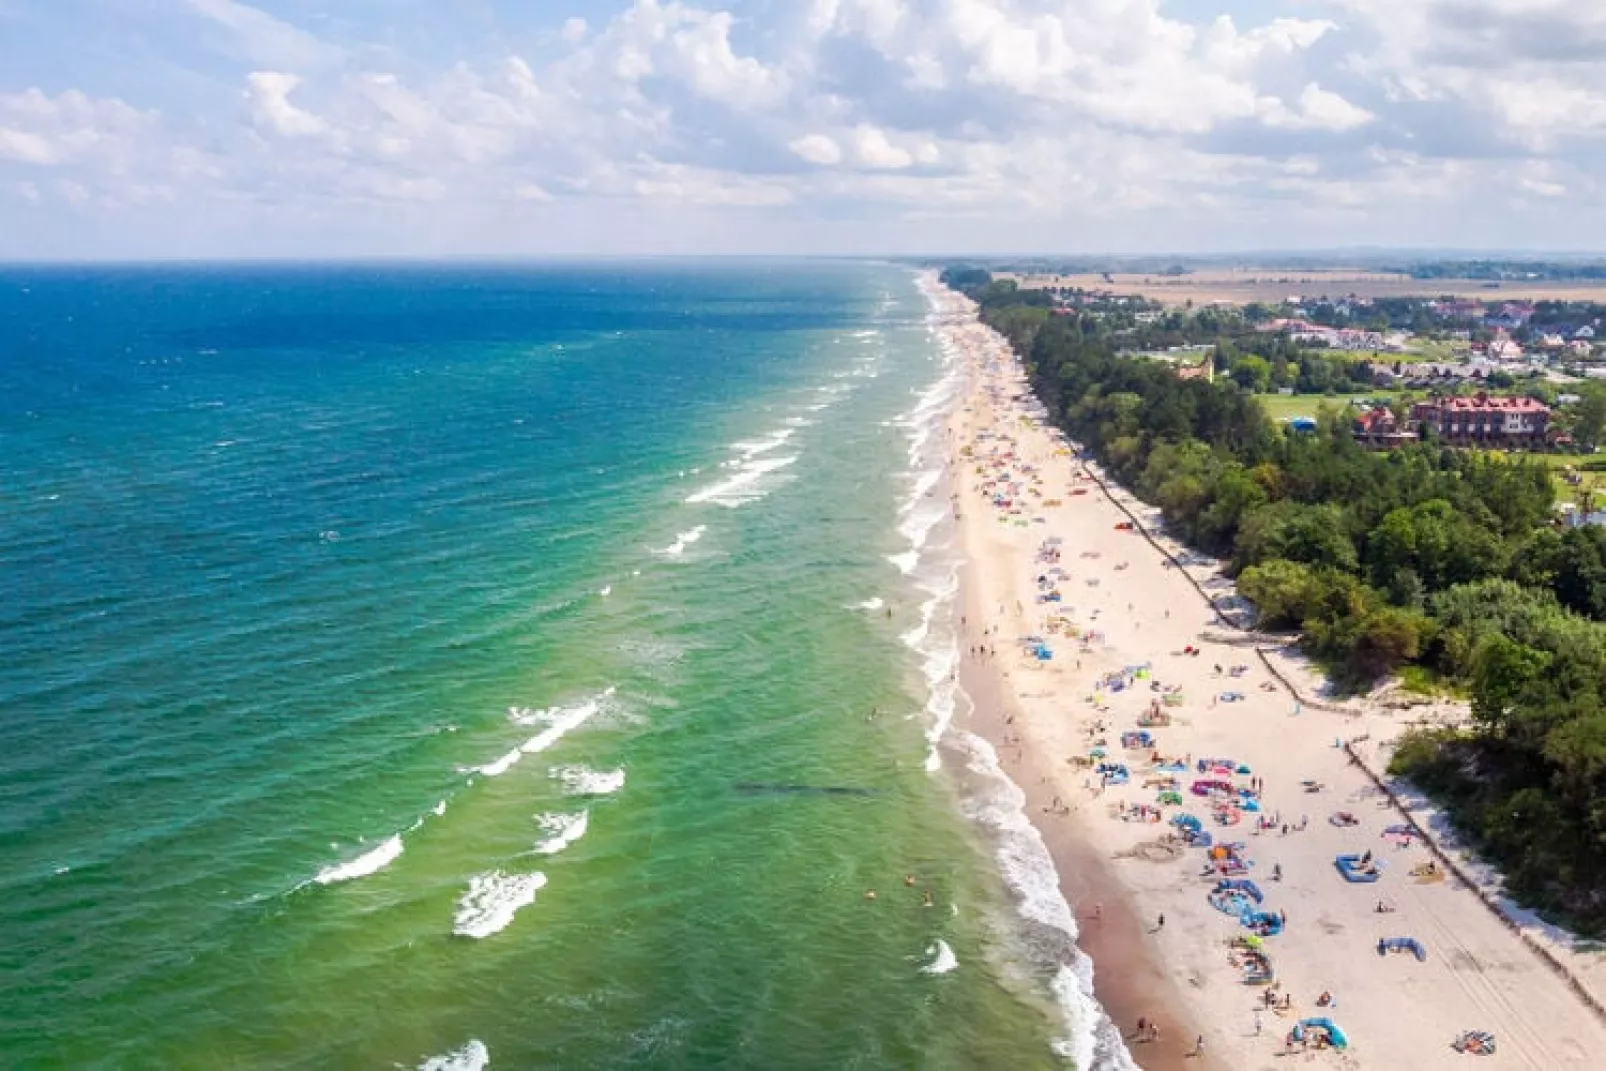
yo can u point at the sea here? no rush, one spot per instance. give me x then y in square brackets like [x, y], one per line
[515, 666]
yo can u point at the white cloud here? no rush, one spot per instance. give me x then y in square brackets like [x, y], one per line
[1090, 122]
[678, 184]
[71, 128]
[816, 149]
[269, 92]
[872, 148]
[574, 30]
[1319, 110]
[261, 38]
[26, 147]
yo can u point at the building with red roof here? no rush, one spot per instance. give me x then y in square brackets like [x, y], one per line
[1484, 420]
[1378, 427]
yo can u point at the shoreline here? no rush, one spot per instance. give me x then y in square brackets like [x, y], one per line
[1129, 981]
[1038, 715]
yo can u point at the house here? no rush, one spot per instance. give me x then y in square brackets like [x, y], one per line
[1579, 347]
[1459, 310]
[1379, 428]
[1504, 349]
[1584, 332]
[1512, 314]
[1485, 420]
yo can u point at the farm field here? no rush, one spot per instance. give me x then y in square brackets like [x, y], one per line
[1269, 285]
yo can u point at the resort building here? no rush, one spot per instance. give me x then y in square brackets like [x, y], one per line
[1482, 419]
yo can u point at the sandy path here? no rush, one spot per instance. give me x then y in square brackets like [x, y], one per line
[1398, 1012]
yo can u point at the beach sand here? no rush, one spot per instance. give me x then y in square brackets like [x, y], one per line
[1040, 715]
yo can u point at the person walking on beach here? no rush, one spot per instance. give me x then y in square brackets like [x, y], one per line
[1198, 1046]
[1159, 923]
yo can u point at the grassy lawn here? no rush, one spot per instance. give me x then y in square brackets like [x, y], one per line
[1286, 407]
[1590, 470]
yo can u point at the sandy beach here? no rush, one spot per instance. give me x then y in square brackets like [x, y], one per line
[1075, 628]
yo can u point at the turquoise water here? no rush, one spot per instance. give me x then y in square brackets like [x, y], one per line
[411, 663]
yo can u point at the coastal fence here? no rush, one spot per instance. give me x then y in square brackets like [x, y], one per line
[1142, 529]
[1487, 898]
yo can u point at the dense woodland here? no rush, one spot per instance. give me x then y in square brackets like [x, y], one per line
[1438, 559]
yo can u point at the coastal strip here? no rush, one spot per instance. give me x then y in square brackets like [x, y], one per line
[1076, 627]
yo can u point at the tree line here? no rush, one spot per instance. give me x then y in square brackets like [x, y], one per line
[1442, 559]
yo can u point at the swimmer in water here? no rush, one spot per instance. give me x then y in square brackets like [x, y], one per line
[926, 901]
[909, 880]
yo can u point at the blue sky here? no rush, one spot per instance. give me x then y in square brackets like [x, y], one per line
[185, 128]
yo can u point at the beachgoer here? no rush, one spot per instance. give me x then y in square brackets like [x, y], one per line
[1277, 872]
[1160, 922]
[1198, 1045]
[926, 900]
[1258, 1024]
[869, 894]
[1143, 1028]
[1098, 911]
[909, 880]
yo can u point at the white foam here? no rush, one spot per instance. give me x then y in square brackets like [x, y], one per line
[372, 861]
[924, 482]
[906, 561]
[746, 486]
[562, 830]
[871, 604]
[750, 450]
[471, 1057]
[502, 765]
[606, 591]
[943, 959]
[917, 526]
[584, 781]
[439, 809]
[492, 900]
[559, 722]
[1028, 869]
[684, 540]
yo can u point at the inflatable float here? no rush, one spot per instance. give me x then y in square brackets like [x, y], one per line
[1262, 922]
[1116, 772]
[1319, 1031]
[1402, 944]
[1358, 868]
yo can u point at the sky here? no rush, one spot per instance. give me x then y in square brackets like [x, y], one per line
[338, 128]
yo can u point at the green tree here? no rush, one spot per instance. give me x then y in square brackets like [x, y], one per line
[1501, 671]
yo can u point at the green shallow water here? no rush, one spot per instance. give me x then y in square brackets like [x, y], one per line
[290, 550]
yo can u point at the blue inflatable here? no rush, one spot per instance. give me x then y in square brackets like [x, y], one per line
[1358, 868]
[1240, 885]
[1307, 1027]
[1402, 944]
[1116, 772]
[1263, 923]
